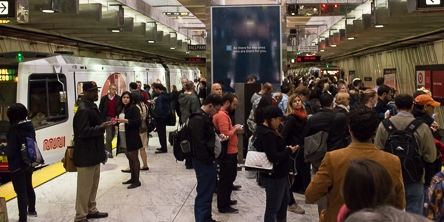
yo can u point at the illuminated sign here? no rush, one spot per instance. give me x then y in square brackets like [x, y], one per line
[196, 60]
[177, 13]
[7, 9]
[308, 59]
[430, 4]
[7, 74]
[197, 47]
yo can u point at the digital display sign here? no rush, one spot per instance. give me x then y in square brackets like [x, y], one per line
[7, 74]
[196, 60]
[308, 59]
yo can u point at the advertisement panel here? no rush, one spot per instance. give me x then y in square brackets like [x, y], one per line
[390, 77]
[246, 41]
[438, 84]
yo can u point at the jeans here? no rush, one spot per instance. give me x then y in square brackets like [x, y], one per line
[277, 197]
[22, 183]
[161, 132]
[206, 182]
[227, 175]
[110, 133]
[414, 198]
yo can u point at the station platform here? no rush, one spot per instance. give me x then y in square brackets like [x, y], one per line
[167, 194]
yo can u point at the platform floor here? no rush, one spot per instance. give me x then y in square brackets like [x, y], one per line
[167, 194]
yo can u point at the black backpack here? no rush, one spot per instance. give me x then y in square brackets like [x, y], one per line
[181, 141]
[402, 143]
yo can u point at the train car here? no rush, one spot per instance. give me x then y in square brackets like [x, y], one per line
[327, 71]
[50, 87]
[177, 73]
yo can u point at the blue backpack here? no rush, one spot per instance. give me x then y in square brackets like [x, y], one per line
[30, 151]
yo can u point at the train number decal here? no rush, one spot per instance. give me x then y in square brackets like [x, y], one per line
[54, 143]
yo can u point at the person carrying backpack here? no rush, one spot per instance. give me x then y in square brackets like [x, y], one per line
[412, 141]
[162, 113]
[21, 173]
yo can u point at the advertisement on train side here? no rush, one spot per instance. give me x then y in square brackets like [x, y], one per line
[246, 41]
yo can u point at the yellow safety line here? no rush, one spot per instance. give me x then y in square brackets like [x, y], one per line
[38, 178]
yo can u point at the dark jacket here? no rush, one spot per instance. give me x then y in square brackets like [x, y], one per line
[89, 148]
[380, 108]
[189, 103]
[311, 108]
[202, 136]
[162, 108]
[322, 121]
[103, 106]
[133, 141]
[12, 150]
[293, 131]
[275, 148]
[174, 96]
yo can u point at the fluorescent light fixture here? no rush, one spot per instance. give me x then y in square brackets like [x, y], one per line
[322, 50]
[292, 60]
[379, 26]
[198, 55]
[150, 41]
[351, 38]
[172, 47]
[48, 11]
[115, 30]
[333, 45]
[187, 52]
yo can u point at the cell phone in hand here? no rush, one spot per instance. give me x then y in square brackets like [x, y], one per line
[242, 126]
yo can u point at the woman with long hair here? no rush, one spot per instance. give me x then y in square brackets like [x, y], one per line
[21, 173]
[143, 134]
[276, 184]
[293, 133]
[129, 138]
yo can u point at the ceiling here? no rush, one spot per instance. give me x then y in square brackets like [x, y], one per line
[90, 24]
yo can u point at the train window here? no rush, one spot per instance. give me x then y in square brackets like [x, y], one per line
[45, 103]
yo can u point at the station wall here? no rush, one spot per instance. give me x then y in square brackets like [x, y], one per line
[403, 61]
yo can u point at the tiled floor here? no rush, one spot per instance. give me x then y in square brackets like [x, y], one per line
[167, 194]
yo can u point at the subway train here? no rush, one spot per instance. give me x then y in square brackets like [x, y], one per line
[49, 87]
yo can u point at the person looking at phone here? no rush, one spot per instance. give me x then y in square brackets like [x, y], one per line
[228, 166]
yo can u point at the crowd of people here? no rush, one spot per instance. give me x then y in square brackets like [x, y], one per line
[357, 178]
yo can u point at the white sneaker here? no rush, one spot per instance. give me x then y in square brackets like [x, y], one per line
[295, 208]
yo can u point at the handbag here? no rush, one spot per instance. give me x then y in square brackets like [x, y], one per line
[258, 161]
[68, 160]
[151, 125]
[251, 174]
[172, 120]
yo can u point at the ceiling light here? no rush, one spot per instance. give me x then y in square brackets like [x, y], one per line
[322, 50]
[187, 52]
[48, 11]
[172, 47]
[115, 30]
[150, 41]
[351, 38]
[333, 45]
[379, 26]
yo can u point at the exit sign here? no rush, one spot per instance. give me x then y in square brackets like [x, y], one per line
[196, 60]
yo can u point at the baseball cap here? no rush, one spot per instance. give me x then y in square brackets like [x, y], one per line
[425, 99]
[356, 79]
[91, 85]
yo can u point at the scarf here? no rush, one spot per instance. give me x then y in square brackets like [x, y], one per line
[342, 106]
[301, 114]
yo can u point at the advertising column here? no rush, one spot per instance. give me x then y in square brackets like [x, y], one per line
[246, 41]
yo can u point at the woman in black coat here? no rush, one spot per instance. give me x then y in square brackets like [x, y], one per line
[20, 172]
[293, 133]
[128, 138]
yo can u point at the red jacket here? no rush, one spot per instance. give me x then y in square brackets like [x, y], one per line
[223, 124]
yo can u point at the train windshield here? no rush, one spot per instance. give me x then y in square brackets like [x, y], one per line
[45, 102]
